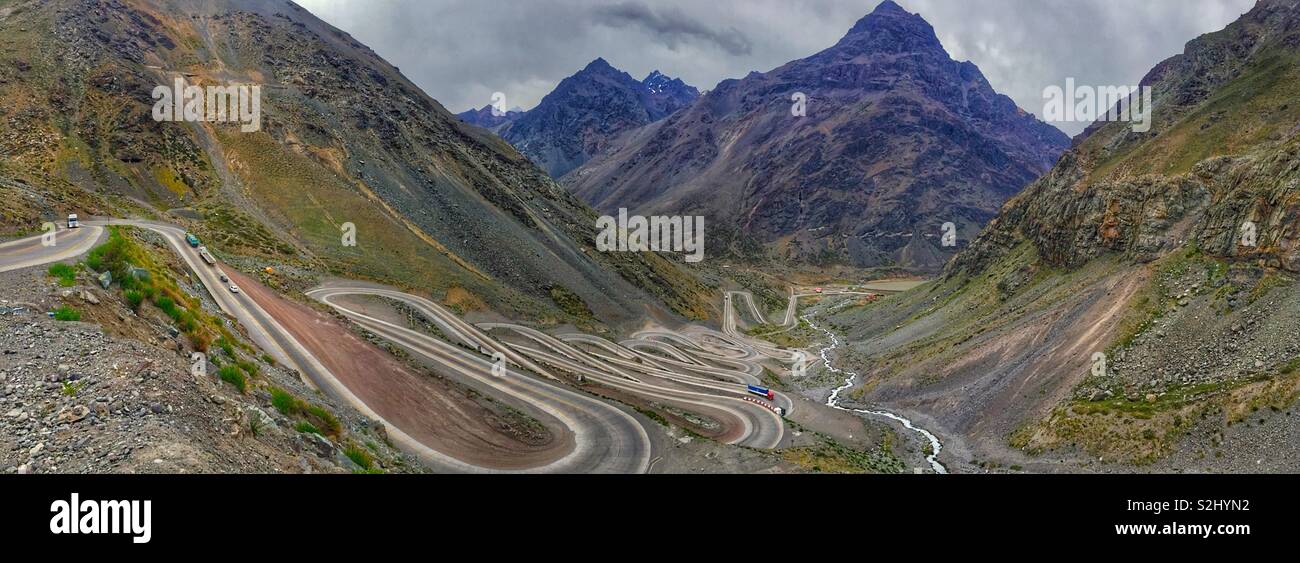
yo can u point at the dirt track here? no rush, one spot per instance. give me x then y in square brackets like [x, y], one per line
[432, 411]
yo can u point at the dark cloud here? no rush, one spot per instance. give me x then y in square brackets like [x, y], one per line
[672, 26]
[461, 51]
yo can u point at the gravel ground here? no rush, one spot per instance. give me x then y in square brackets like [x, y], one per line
[77, 399]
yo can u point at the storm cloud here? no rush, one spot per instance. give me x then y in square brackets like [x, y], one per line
[462, 51]
[672, 26]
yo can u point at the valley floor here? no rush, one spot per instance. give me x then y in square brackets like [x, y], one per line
[1184, 365]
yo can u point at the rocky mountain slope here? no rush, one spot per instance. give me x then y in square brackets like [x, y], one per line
[1136, 305]
[438, 205]
[898, 140]
[588, 111]
[1220, 155]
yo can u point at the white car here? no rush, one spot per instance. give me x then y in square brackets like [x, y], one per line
[234, 288]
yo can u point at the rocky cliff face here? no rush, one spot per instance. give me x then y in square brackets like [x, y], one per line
[897, 140]
[1221, 159]
[588, 111]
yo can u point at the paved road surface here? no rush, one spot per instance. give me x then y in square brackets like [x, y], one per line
[31, 251]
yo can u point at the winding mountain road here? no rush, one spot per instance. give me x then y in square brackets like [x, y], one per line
[608, 440]
[696, 370]
[269, 334]
[752, 424]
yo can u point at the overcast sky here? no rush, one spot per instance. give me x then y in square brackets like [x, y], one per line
[461, 51]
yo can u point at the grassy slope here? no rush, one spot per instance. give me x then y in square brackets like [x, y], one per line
[315, 203]
[1254, 109]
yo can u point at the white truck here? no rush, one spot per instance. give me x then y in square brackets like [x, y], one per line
[73, 223]
[207, 256]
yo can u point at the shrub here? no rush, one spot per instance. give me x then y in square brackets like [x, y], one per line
[226, 346]
[113, 256]
[325, 418]
[186, 322]
[66, 313]
[306, 428]
[233, 376]
[201, 341]
[570, 302]
[70, 389]
[359, 457]
[284, 402]
[66, 274]
[134, 298]
[249, 367]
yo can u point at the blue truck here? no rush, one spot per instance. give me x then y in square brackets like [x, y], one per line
[762, 392]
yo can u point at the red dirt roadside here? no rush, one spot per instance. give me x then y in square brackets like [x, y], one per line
[432, 411]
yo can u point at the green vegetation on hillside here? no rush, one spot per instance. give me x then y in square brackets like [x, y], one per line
[1252, 109]
[1144, 430]
[141, 276]
[570, 303]
[800, 336]
[312, 415]
[67, 314]
[66, 274]
[830, 456]
[234, 376]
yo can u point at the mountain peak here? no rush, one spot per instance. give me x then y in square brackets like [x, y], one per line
[658, 81]
[586, 111]
[890, 28]
[888, 15]
[599, 64]
[889, 6]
